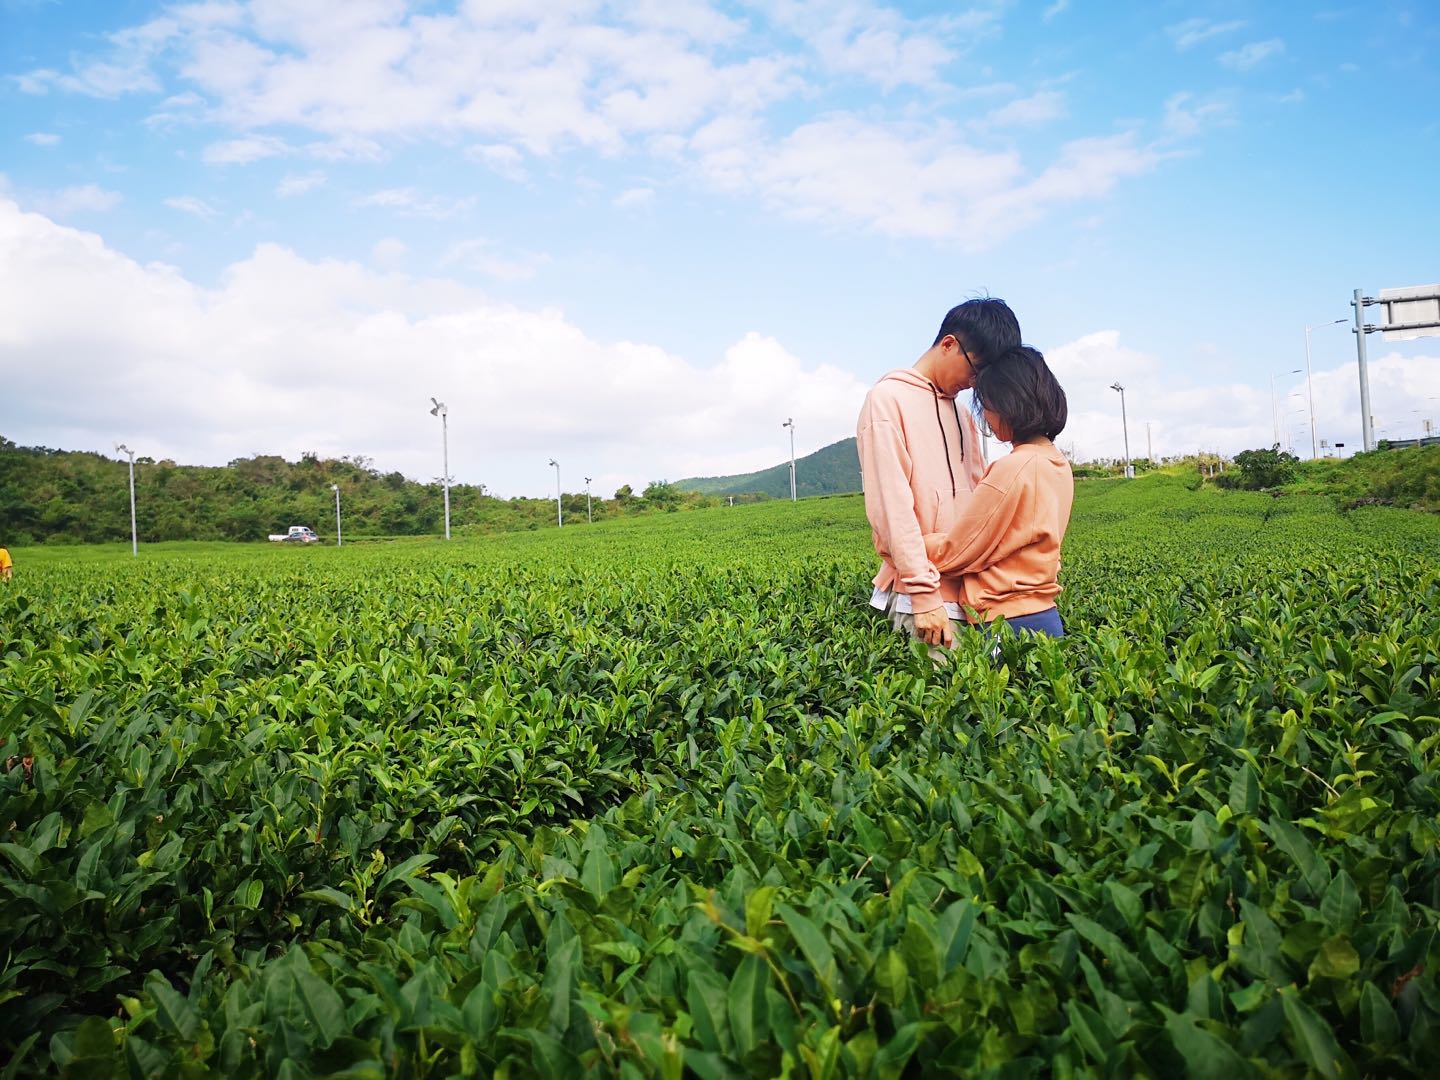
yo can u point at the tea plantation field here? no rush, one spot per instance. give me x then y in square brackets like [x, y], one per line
[659, 798]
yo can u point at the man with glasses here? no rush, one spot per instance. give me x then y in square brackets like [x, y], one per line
[919, 456]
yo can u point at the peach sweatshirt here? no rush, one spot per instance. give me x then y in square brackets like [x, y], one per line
[1006, 540]
[920, 459]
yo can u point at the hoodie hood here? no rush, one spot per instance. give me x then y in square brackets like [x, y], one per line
[911, 377]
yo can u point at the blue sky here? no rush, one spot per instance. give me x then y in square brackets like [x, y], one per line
[637, 236]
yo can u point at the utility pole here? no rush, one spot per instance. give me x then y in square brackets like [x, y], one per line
[559, 513]
[1125, 425]
[336, 488]
[1275, 409]
[444, 415]
[1149, 447]
[134, 536]
[1310, 387]
[589, 520]
[790, 423]
[1367, 422]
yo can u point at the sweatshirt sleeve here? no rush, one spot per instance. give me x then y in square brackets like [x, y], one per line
[986, 530]
[974, 462]
[890, 506]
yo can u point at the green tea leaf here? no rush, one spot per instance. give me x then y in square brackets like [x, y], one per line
[813, 946]
[745, 1004]
[1313, 1040]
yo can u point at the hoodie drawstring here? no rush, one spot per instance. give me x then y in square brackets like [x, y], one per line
[944, 439]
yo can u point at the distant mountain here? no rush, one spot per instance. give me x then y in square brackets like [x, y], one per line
[833, 470]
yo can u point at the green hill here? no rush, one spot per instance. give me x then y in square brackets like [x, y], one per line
[833, 470]
[60, 496]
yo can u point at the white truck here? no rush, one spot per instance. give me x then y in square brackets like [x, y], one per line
[298, 534]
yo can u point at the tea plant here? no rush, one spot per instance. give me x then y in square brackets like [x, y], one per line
[660, 797]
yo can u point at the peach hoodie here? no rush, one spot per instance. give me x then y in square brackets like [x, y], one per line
[920, 459]
[1006, 539]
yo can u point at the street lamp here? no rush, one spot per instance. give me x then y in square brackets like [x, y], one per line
[589, 519]
[134, 536]
[790, 423]
[336, 488]
[1274, 410]
[444, 415]
[559, 514]
[1310, 389]
[1125, 425]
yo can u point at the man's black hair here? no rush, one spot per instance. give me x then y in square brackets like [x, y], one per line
[1019, 387]
[985, 326]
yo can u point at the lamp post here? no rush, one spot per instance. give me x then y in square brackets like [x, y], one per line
[589, 518]
[134, 536]
[559, 514]
[1274, 409]
[1125, 426]
[790, 423]
[1309, 387]
[338, 540]
[444, 415]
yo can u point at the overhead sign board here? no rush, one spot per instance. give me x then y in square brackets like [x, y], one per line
[1410, 313]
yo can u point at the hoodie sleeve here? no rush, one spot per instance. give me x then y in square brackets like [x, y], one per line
[890, 506]
[986, 531]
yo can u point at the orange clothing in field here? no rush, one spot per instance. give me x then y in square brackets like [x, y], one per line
[919, 459]
[1006, 540]
[5, 563]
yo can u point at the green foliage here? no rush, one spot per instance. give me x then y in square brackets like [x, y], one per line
[1262, 469]
[1404, 478]
[50, 496]
[662, 797]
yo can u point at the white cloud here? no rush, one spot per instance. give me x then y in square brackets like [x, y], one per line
[1192, 32]
[1229, 417]
[1182, 419]
[42, 138]
[245, 150]
[1251, 55]
[369, 71]
[178, 109]
[1038, 108]
[480, 255]
[346, 148]
[697, 87]
[298, 184]
[80, 199]
[879, 44]
[192, 205]
[127, 66]
[411, 203]
[633, 198]
[909, 182]
[305, 356]
[1057, 8]
[500, 158]
[1187, 116]
[389, 251]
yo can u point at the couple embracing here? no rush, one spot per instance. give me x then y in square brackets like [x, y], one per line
[959, 542]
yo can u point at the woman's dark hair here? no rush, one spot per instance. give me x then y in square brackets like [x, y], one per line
[1018, 387]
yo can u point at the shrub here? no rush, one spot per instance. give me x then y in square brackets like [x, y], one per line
[1265, 468]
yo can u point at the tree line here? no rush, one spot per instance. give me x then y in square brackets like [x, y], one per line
[60, 496]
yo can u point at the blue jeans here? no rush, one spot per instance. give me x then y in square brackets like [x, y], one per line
[1045, 622]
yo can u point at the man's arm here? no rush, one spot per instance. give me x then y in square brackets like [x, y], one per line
[890, 506]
